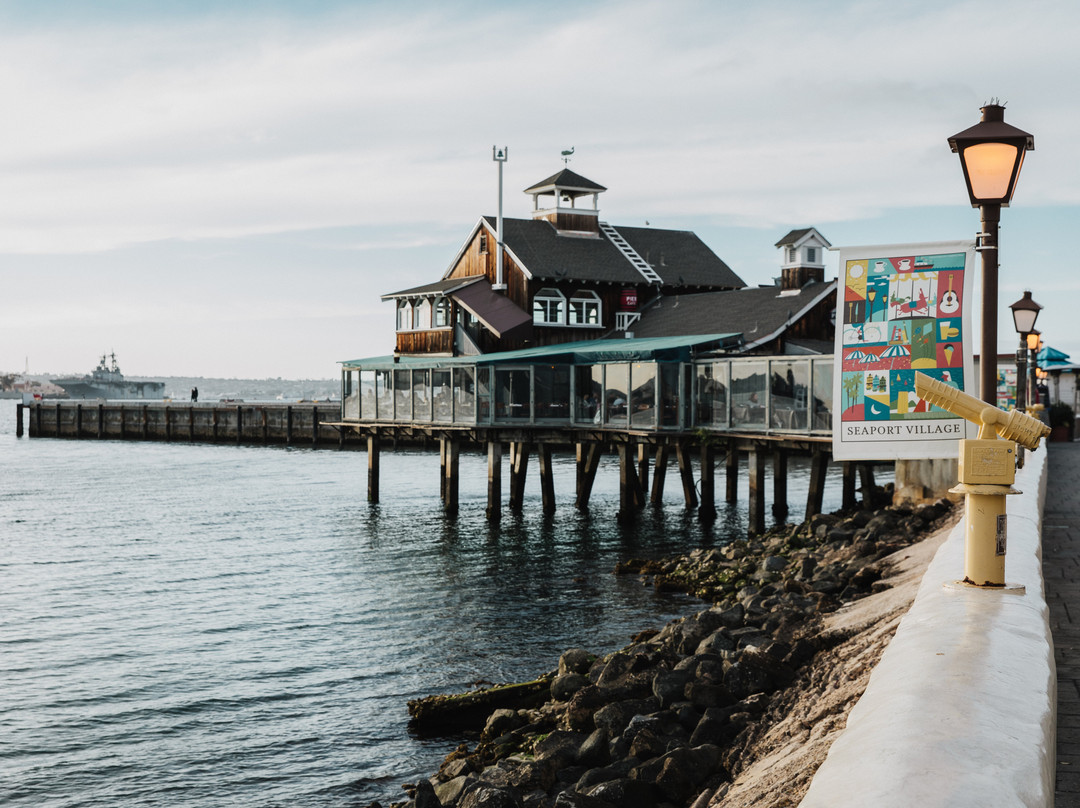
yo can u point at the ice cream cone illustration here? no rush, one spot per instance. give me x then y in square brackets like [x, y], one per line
[948, 354]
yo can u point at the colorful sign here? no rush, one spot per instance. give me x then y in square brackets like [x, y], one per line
[901, 309]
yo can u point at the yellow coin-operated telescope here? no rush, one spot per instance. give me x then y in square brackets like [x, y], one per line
[987, 471]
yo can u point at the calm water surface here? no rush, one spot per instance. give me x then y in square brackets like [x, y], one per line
[189, 625]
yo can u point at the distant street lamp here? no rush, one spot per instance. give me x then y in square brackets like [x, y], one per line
[1034, 341]
[991, 154]
[1025, 312]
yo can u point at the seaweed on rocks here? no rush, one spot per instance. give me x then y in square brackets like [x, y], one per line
[668, 720]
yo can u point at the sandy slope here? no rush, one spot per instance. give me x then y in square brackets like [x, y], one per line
[783, 757]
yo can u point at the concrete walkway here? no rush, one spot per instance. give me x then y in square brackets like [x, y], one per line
[1061, 570]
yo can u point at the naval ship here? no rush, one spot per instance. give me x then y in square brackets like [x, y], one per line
[106, 381]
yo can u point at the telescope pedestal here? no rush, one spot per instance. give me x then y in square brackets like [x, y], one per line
[985, 534]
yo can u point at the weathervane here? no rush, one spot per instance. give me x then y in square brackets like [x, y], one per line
[566, 155]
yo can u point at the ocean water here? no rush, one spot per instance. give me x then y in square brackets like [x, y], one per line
[194, 625]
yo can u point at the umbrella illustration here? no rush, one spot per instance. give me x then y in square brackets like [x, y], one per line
[868, 358]
[896, 350]
[856, 355]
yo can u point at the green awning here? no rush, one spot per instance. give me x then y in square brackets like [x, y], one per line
[584, 352]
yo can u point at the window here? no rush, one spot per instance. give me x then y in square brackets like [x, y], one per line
[404, 315]
[442, 312]
[549, 307]
[811, 255]
[483, 243]
[792, 255]
[422, 314]
[585, 308]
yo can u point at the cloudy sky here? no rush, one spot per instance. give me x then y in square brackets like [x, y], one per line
[226, 188]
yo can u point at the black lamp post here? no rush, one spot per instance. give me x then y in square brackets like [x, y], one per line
[991, 153]
[1025, 312]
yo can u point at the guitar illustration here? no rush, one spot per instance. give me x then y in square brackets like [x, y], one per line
[950, 301]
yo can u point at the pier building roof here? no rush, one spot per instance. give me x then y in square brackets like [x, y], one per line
[584, 352]
[678, 257]
[760, 315]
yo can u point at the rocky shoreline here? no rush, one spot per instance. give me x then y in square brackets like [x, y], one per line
[673, 718]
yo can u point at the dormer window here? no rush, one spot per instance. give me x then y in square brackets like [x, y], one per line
[404, 315]
[549, 307]
[811, 255]
[792, 255]
[585, 308]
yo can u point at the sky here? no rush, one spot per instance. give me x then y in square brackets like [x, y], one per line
[226, 188]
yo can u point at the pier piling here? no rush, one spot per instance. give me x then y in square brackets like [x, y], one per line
[494, 490]
[373, 467]
[756, 473]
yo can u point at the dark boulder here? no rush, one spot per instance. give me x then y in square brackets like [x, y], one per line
[626, 793]
[486, 796]
[560, 747]
[670, 686]
[616, 717]
[594, 750]
[565, 685]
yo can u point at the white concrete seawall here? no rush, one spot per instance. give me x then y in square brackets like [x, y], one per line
[962, 708]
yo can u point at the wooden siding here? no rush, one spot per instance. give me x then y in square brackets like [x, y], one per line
[425, 342]
[575, 222]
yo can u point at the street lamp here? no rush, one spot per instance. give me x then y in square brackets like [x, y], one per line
[1025, 312]
[1034, 341]
[991, 153]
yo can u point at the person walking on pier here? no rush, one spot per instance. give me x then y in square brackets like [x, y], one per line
[194, 394]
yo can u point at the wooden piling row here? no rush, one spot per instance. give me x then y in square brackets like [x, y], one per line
[267, 424]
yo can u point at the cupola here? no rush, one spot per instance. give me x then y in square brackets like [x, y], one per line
[562, 200]
[803, 257]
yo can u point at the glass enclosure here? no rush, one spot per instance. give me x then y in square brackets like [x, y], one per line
[643, 394]
[513, 394]
[421, 395]
[711, 401]
[788, 385]
[588, 389]
[367, 395]
[669, 395]
[551, 384]
[350, 395]
[748, 392]
[823, 394]
[383, 403]
[441, 395]
[782, 394]
[483, 395]
[402, 395]
[616, 383]
[464, 395]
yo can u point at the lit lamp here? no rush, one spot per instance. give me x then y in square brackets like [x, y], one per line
[1025, 312]
[1034, 342]
[991, 153]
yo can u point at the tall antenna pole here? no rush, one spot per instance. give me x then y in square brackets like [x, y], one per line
[499, 156]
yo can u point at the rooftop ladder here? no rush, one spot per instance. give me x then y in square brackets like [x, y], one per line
[639, 263]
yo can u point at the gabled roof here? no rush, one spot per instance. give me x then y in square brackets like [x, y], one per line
[759, 314]
[439, 288]
[679, 257]
[796, 237]
[568, 180]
